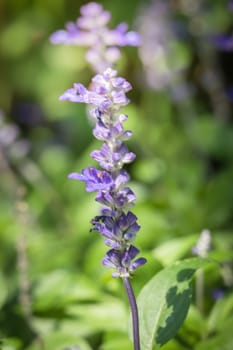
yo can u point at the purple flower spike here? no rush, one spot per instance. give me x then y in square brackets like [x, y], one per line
[117, 224]
[90, 30]
[105, 97]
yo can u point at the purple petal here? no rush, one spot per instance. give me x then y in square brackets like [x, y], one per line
[133, 39]
[76, 176]
[133, 251]
[59, 37]
[113, 244]
[91, 9]
[119, 97]
[137, 263]
[122, 118]
[122, 178]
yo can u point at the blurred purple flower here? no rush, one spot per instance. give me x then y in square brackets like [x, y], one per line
[230, 5]
[223, 42]
[13, 147]
[203, 245]
[90, 30]
[229, 93]
[117, 224]
[158, 44]
[217, 293]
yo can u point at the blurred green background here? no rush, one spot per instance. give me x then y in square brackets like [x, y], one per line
[55, 293]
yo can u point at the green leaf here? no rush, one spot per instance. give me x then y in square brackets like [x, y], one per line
[116, 341]
[61, 341]
[60, 288]
[222, 340]
[164, 302]
[97, 315]
[174, 249]
[10, 344]
[220, 314]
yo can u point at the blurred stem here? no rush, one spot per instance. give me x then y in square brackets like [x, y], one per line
[134, 312]
[200, 289]
[24, 284]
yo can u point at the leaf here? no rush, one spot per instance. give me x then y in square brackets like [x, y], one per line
[97, 315]
[195, 325]
[174, 249]
[3, 290]
[164, 302]
[222, 340]
[10, 344]
[60, 288]
[61, 341]
[220, 314]
[116, 341]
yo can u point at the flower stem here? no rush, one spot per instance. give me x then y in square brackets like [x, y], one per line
[200, 289]
[134, 311]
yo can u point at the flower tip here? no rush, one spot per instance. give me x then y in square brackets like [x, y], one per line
[133, 39]
[58, 37]
[61, 98]
[137, 263]
[74, 176]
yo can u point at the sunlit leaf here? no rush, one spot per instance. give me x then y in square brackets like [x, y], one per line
[164, 302]
[174, 249]
[60, 341]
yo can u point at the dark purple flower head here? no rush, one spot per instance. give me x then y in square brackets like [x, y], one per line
[118, 231]
[90, 30]
[123, 262]
[95, 180]
[122, 200]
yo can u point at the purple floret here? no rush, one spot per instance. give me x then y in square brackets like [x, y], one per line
[122, 261]
[95, 180]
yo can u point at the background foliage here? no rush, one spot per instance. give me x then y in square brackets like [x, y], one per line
[55, 293]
